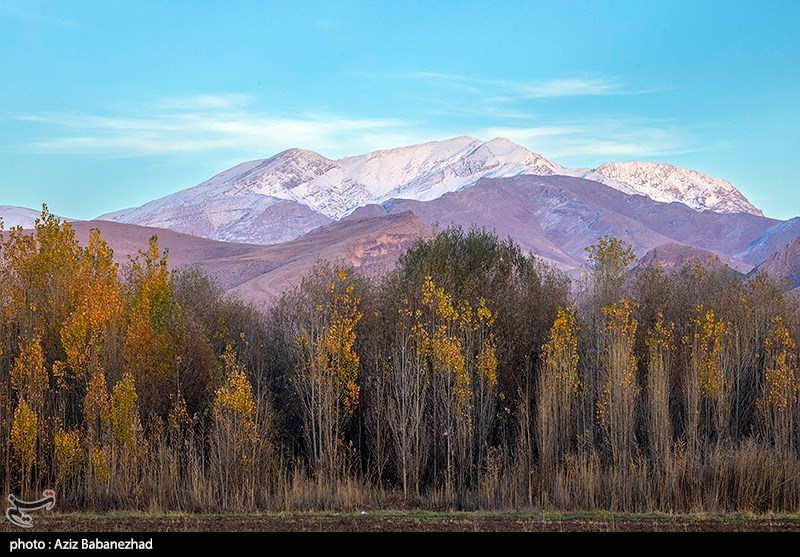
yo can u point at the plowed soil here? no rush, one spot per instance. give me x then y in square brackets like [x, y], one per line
[404, 524]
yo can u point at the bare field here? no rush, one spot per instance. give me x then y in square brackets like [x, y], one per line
[458, 522]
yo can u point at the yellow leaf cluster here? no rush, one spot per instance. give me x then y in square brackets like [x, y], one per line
[124, 416]
[339, 346]
[456, 339]
[709, 334]
[487, 362]
[68, 454]
[98, 304]
[24, 433]
[619, 360]
[561, 351]
[29, 376]
[780, 370]
[235, 397]
[662, 335]
[98, 460]
[619, 320]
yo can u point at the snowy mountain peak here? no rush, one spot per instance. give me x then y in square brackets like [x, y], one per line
[330, 189]
[669, 183]
[13, 216]
[281, 197]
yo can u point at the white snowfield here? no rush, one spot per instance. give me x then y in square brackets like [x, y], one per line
[668, 183]
[13, 216]
[234, 204]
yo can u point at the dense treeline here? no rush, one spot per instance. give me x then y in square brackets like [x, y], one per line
[471, 376]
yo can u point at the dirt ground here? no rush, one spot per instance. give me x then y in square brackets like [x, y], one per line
[405, 524]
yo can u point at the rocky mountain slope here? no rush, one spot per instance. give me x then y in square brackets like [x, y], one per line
[668, 183]
[280, 198]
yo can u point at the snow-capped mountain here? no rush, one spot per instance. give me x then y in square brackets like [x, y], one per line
[429, 170]
[12, 216]
[280, 198]
[668, 183]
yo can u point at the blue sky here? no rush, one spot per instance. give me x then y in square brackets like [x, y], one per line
[109, 104]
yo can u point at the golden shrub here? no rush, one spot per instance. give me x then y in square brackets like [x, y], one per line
[98, 460]
[24, 433]
[782, 383]
[68, 454]
[561, 351]
[124, 416]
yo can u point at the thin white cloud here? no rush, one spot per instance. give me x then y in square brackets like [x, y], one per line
[210, 123]
[205, 102]
[573, 87]
[227, 122]
[599, 138]
[514, 90]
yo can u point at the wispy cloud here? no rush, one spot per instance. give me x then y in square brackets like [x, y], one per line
[209, 123]
[205, 102]
[599, 138]
[511, 90]
[231, 122]
[573, 87]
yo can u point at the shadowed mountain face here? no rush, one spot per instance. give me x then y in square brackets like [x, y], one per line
[556, 217]
[552, 216]
[260, 273]
[675, 256]
[784, 264]
[280, 198]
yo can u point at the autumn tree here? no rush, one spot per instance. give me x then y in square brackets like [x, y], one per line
[609, 259]
[778, 404]
[325, 378]
[603, 286]
[619, 384]
[234, 436]
[153, 329]
[707, 383]
[408, 391]
[24, 441]
[558, 389]
[86, 332]
[660, 357]
[126, 437]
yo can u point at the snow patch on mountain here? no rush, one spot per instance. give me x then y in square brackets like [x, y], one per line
[226, 206]
[305, 189]
[13, 216]
[669, 184]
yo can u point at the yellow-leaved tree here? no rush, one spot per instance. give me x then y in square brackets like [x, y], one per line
[127, 443]
[152, 330]
[660, 351]
[558, 389]
[326, 374]
[619, 386]
[706, 386]
[459, 346]
[24, 440]
[234, 436]
[778, 404]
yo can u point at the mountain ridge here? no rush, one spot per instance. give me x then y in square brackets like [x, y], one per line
[304, 189]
